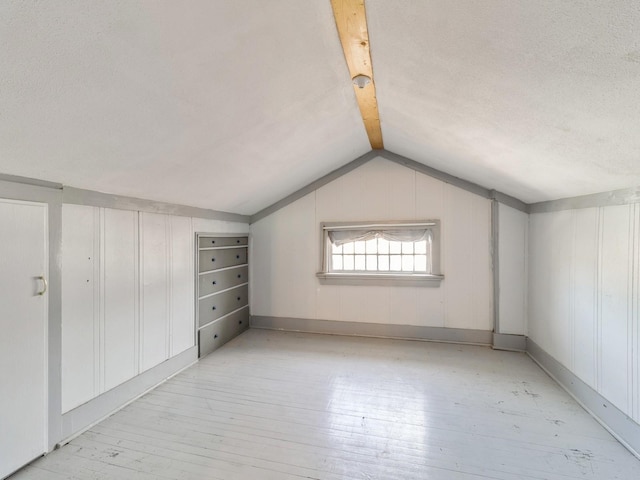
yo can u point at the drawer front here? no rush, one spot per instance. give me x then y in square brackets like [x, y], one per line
[220, 304]
[214, 259]
[216, 281]
[205, 242]
[221, 331]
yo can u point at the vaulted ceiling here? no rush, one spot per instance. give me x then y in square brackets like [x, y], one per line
[233, 105]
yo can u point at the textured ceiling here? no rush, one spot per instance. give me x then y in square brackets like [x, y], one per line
[219, 104]
[537, 99]
[233, 105]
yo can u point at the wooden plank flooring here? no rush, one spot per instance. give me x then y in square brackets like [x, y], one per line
[275, 405]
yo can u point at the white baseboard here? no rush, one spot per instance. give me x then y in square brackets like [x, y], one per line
[81, 418]
[379, 330]
[515, 343]
[620, 425]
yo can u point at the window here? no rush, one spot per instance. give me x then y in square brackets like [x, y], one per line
[380, 253]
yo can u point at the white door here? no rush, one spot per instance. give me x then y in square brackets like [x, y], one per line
[23, 333]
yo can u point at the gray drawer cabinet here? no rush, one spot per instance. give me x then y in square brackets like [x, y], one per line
[218, 280]
[223, 289]
[221, 257]
[220, 304]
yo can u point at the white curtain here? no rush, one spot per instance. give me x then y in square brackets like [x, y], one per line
[340, 237]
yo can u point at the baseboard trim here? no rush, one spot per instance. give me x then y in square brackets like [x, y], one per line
[378, 330]
[620, 425]
[515, 343]
[81, 418]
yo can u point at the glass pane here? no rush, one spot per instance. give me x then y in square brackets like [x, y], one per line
[395, 247]
[407, 247]
[360, 263]
[336, 262]
[395, 264]
[347, 262]
[336, 248]
[383, 245]
[372, 262]
[420, 247]
[421, 263]
[372, 245]
[348, 248]
[360, 246]
[383, 263]
[407, 263]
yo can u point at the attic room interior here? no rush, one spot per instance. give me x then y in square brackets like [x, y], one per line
[326, 239]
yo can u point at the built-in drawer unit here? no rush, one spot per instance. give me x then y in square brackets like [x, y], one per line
[218, 280]
[219, 304]
[217, 333]
[207, 242]
[223, 289]
[221, 257]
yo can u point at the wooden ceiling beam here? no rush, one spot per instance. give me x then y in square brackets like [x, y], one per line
[351, 21]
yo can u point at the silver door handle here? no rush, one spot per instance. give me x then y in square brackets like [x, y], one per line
[44, 284]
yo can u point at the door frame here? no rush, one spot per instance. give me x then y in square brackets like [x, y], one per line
[45, 398]
[35, 191]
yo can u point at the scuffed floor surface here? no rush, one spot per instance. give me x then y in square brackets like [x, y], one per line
[274, 405]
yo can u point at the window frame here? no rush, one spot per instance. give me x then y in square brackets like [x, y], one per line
[326, 276]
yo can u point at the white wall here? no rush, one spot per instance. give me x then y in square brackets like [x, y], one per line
[127, 294]
[584, 296]
[512, 270]
[285, 252]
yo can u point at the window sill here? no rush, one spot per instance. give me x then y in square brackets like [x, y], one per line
[384, 279]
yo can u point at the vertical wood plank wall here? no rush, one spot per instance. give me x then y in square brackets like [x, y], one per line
[119, 346]
[512, 270]
[128, 294]
[286, 255]
[584, 296]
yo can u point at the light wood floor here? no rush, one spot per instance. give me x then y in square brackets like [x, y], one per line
[273, 405]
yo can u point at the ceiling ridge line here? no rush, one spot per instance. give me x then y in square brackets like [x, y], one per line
[470, 187]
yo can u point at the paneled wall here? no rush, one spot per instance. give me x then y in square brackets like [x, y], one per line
[286, 252]
[512, 270]
[128, 294]
[584, 296]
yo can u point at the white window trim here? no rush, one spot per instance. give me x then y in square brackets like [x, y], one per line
[379, 278]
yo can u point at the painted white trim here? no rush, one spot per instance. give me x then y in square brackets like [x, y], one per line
[52, 197]
[509, 201]
[389, 279]
[620, 425]
[378, 330]
[399, 159]
[78, 196]
[495, 263]
[503, 341]
[30, 181]
[316, 184]
[624, 196]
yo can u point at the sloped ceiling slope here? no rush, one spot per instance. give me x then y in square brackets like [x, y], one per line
[229, 105]
[233, 105]
[537, 99]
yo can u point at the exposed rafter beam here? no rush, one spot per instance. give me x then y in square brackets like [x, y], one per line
[351, 20]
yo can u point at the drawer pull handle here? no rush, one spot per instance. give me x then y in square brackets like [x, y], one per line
[215, 335]
[213, 259]
[238, 298]
[213, 283]
[213, 241]
[239, 276]
[237, 241]
[237, 256]
[240, 322]
[213, 308]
